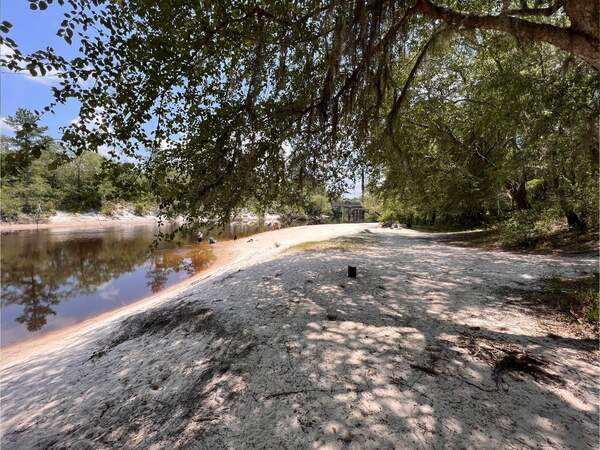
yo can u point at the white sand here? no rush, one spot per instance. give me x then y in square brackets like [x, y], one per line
[247, 358]
[62, 220]
[231, 255]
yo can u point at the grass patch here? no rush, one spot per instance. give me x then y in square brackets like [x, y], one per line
[562, 241]
[479, 239]
[565, 242]
[578, 297]
[340, 244]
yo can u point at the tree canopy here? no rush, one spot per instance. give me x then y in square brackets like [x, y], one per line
[239, 100]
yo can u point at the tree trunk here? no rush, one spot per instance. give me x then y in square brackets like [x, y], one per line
[583, 15]
[518, 194]
[362, 185]
[79, 182]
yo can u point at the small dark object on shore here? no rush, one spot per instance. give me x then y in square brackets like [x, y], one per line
[235, 237]
[332, 317]
[199, 237]
[352, 271]
[212, 240]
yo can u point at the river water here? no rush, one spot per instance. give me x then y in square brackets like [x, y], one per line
[55, 278]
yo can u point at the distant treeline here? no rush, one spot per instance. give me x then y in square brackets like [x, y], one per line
[39, 176]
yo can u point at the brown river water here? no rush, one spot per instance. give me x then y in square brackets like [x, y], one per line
[56, 278]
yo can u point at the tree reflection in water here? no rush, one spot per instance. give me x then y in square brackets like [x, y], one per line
[164, 263]
[41, 270]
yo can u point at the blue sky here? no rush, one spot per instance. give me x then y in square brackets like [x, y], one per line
[33, 30]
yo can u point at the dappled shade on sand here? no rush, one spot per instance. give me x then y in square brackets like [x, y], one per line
[291, 353]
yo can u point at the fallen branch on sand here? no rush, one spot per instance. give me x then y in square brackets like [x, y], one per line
[505, 357]
[522, 362]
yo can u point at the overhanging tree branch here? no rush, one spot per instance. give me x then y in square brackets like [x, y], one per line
[399, 99]
[579, 43]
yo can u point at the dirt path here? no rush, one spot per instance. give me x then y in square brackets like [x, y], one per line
[284, 351]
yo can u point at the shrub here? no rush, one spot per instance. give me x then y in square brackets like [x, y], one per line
[109, 208]
[536, 189]
[10, 203]
[519, 228]
[144, 205]
[139, 209]
[577, 296]
[528, 227]
[318, 205]
[589, 299]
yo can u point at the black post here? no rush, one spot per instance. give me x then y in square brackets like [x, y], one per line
[352, 271]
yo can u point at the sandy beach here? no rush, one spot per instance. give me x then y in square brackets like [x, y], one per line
[275, 347]
[92, 220]
[67, 221]
[229, 255]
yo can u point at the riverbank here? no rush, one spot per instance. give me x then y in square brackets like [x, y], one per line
[228, 255]
[68, 221]
[278, 348]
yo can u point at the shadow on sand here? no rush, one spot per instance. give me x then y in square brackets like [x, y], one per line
[293, 354]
